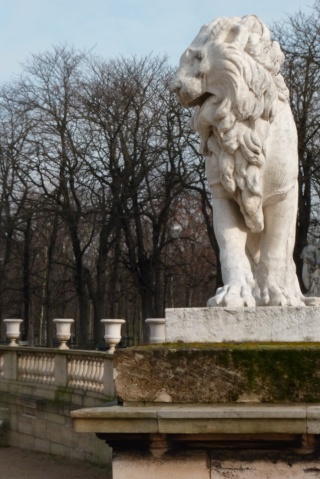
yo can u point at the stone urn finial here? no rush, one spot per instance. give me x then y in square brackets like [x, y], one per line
[63, 331]
[157, 330]
[13, 330]
[112, 332]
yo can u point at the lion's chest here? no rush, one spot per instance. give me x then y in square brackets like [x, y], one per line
[279, 172]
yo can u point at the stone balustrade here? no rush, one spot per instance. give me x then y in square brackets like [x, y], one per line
[75, 370]
[86, 373]
[39, 387]
[36, 367]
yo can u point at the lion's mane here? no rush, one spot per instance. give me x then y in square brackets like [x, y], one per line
[247, 63]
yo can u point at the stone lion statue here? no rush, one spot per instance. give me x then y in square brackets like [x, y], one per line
[230, 73]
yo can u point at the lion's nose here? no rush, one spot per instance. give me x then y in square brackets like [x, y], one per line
[176, 86]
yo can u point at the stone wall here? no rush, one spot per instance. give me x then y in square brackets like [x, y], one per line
[36, 407]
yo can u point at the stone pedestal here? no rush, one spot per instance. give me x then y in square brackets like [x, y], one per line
[217, 410]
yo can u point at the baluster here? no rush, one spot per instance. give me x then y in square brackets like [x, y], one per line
[32, 368]
[77, 371]
[87, 372]
[81, 369]
[100, 376]
[46, 375]
[70, 371]
[97, 375]
[45, 378]
[93, 372]
[40, 376]
[47, 368]
[90, 380]
[51, 359]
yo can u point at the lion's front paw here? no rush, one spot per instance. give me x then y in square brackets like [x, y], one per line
[232, 295]
[274, 295]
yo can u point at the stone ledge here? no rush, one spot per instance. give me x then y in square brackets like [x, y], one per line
[215, 325]
[217, 419]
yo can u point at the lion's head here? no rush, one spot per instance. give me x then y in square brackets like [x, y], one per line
[230, 73]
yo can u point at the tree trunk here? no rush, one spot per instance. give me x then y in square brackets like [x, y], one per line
[26, 282]
[82, 327]
[47, 315]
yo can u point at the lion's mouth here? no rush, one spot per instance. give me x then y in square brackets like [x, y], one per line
[199, 100]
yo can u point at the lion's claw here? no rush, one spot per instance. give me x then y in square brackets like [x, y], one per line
[233, 296]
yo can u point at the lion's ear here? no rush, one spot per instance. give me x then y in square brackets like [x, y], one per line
[219, 30]
[238, 35]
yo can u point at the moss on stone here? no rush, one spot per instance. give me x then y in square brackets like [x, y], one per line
[270, 372]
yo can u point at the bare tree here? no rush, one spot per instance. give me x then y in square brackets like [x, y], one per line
[100, 158]
[47, 96]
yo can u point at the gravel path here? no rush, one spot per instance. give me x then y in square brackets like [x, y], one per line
[18, 463]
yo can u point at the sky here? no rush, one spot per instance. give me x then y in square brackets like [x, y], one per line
[111, 28]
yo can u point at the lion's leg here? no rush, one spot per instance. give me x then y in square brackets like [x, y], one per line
[231, 234]
[253, 253]
[295, 296]
[253, 248]
[276, 273]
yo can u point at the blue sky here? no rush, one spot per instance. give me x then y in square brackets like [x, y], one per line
[118, 27]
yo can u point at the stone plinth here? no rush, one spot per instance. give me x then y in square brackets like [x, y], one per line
[218, 373]
[216, 325]
[220, 400]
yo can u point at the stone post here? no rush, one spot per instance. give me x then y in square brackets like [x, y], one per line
[108, 382]
[61, 370]
[10, 365]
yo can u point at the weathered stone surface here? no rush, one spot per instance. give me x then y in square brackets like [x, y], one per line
[267, 466]
[210, 325]
[219, 373]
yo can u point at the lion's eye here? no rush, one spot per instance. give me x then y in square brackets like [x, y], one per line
[194, 55]
[198, 56]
